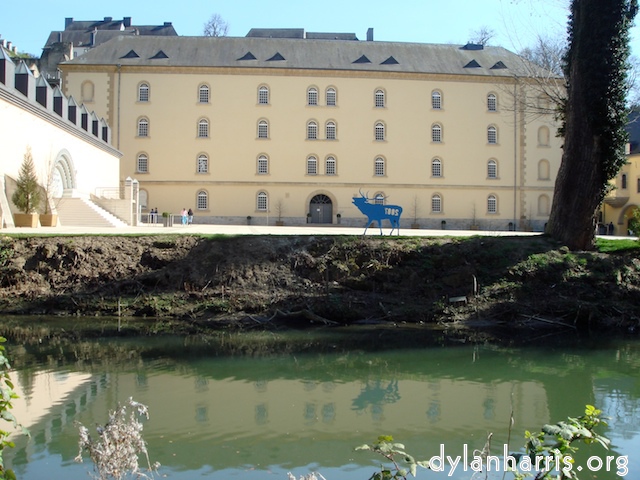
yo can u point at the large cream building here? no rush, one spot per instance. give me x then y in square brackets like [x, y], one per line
[290, 126]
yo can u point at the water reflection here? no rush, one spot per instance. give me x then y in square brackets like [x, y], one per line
[219, 417]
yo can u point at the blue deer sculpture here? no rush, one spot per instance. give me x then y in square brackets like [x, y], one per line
[377, 213]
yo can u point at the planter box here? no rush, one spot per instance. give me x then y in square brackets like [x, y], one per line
[415, 226]
[25, 219]
[279, 223]
[167, 221]
[49, 220]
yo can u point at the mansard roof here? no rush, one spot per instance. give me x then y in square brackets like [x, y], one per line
[305, 53]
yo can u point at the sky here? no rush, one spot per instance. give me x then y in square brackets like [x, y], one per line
[516, 23]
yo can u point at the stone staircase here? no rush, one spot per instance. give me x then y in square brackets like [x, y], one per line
[82, 212]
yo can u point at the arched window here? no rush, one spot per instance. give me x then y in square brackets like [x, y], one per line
[312, 130]
[262, 202]
[492, 169]
[312, 165]
[544, 205]
[203, 94]
[263, 129]
[143, 127]
[492, 102]
[379, 100]
[378, 198]
[543, 136]
[331, 97]
[492, 135]
[436, 204]
[143, 92]
[263, 165]
[312, 96]
[203, 128]
[203, 163]
[379, 169]
[436, 133]
[88, 91]
[492, 204]
[202, 200]
[436, 167]
[263, 95]
[544, 170]
[142, 164]
[436, 100]
[330, 130]
[330, 167]
[379, 131]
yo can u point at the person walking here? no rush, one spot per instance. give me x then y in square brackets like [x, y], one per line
[190, 215]
[184, 216]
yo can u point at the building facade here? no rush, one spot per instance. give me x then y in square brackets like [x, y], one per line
[70, 145]
[267, 129]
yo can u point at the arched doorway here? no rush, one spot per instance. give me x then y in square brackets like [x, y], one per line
[63, 176]
[321, 209]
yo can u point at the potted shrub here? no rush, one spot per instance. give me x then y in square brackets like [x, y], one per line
[167, 219]
[279, 211]
[27, 196]
[248, 219]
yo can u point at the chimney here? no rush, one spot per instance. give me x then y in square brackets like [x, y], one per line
[93, 37]
[67, 22]
[370, 35]
[167, 24]
[108, 19]
[127, 21]
[9, 45]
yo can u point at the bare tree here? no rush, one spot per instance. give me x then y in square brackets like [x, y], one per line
[216, 26]
[482, 36]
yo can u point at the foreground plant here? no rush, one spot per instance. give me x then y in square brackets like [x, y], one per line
[7, 395]
[394, 452]
[116, 450]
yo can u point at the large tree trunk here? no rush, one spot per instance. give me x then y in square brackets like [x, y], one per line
[594, 117]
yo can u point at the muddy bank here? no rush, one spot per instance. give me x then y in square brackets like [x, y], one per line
[505, 284]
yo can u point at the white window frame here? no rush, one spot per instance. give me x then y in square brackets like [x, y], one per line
[436, 133]
[263, 129]
[143, 127]
[492, 102]
[312, 96]
[312, 130]
[492, 169]
[436, 168]
[492, 204]
[379, 198]
[144, 91]
[203, 128]
[379, 98]
[379, 167]
[262, 202]
[492, 135]
[379, 132]
[202, 200]
[436, 203]
[330, 165]
[331, 97]
[203, 163]
[436, 100]
[263, 165]
[312, 165]
[142, 163]
[203, 94]
[330, 130]
[263, 95]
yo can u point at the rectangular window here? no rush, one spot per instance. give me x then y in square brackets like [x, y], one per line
[330, 166]
[312, 97]
[263, 96]
[312, 166]
[262, 202]
[331, 97]
[203, 129]
[143, 164]
[204, 95]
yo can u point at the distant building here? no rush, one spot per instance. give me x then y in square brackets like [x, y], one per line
[70, 145]
[78, 37]
[618, 206]
[287, 125]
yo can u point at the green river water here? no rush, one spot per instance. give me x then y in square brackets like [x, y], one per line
[250, 413]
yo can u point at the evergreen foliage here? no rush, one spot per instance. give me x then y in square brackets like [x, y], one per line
[27, 196]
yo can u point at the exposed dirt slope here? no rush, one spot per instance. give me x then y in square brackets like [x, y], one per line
[253, 279]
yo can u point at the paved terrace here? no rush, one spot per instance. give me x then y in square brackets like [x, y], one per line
[179, 229]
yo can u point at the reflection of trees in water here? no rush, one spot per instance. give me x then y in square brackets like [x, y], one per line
[375, 394]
